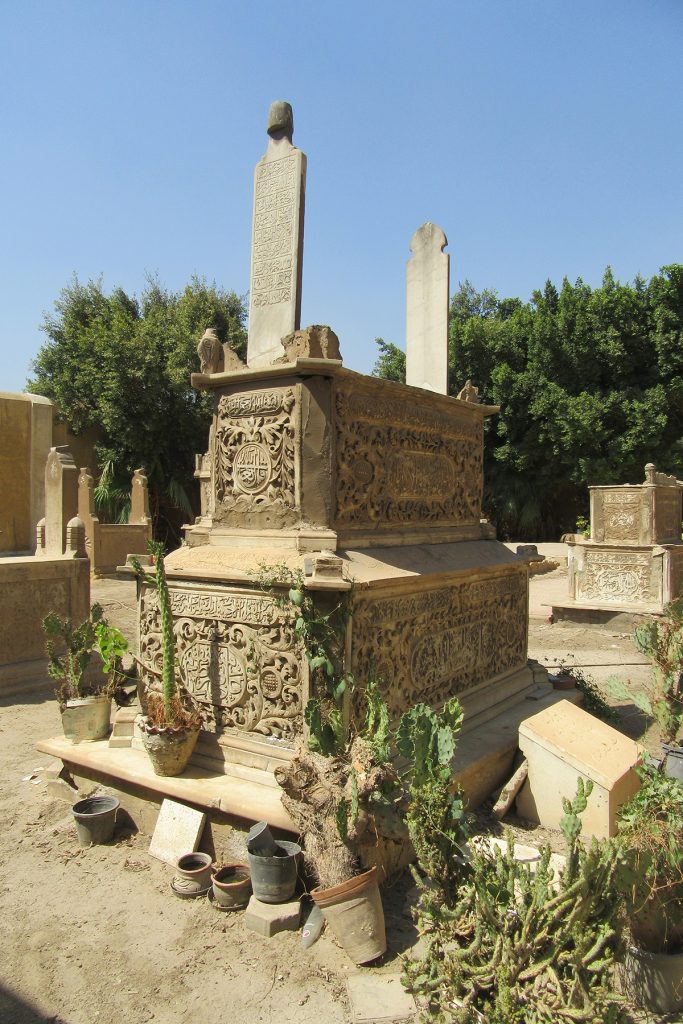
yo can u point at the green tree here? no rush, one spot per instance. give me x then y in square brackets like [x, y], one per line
[589, 384]
[391, 362]
[122, 363]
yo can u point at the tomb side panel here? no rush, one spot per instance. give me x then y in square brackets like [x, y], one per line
[236, 656]
[404, 462]
[618, 577]
[432, 644]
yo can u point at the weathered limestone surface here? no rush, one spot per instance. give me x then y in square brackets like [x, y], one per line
[56, 580]
[427, 310]
[277, 241]
[109, 544]
[564, 743]
[633, 560]
[25, 439]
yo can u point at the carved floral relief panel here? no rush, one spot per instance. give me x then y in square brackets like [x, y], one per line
[254, 457]
[235, 656]
[624, 577]
[621, 512]
[435, 644]
[397, 464]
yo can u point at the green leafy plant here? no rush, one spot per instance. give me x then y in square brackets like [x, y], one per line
[70, 650]
[167, 710]
[661, 639]
[593, 700]
[583, 526]
[651, 866]
[435, 817]
[504, 943]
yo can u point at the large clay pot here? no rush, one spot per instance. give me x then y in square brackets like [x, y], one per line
[354, 912]
[273, 879]
[169, 749]
[86, 719]
[654, 980]
[95, 819]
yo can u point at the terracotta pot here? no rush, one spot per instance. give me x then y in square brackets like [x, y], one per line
[193, 874]
[354, 912]
[86, 719]
[232, 886]
[169, 749]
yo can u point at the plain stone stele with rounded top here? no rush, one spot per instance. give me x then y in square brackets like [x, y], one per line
[427, 280]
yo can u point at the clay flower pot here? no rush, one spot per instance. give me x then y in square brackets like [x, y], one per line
[354, 912]
[273, 878]
[193, 874]
[86, 719]
[231, 886]
[169, 749]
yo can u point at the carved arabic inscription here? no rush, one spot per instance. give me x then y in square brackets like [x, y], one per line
[274, 231]
[235, 656]
[618, 576]
[254, 457]
[622, 515]
[411, 466]
[433, 645]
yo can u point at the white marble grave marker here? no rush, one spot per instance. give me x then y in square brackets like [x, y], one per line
[427, 310]
[277, 244]
[178, 830]
[61, 498]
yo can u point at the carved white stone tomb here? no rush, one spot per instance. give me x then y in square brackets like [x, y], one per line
[633, 561]
[373, 489]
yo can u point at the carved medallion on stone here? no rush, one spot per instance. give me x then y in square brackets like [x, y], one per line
[433, 645]
[399, 465]
[235, 656]
[254, 452]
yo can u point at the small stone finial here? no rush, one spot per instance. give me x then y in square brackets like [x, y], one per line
[650, 473]
[281, 119]
[210, 352]
[469, 393]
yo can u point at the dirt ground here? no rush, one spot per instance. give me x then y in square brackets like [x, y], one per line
[96, 937]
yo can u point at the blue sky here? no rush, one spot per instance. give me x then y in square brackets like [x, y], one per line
[543, 136]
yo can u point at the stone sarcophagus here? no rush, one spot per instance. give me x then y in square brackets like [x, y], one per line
[373, 491]
[633, 560]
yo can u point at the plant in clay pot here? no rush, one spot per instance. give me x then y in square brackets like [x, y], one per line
[84, 694]
[171, 725]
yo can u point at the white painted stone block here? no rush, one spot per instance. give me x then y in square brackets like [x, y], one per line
[564, 743]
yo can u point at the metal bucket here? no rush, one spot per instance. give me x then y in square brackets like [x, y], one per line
[95, 819]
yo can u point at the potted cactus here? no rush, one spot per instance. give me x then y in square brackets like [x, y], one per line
[84, 694]
[171, 725]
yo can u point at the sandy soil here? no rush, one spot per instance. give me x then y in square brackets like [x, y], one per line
[96, 937]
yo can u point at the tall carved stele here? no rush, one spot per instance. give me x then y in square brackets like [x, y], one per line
[372, 488]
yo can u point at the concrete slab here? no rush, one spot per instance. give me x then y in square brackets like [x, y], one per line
[378, 997]
[177, 831]
[270, 918]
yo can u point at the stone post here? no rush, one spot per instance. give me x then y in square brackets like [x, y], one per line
[139, 499]
[277, 240]
[61, 498]
[427, 310]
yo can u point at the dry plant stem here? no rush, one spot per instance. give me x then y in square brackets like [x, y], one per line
[314, 786]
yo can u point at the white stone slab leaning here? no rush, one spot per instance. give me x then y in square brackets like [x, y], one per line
[178, 831]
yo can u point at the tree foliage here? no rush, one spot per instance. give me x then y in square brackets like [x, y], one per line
[590, 388]
[122, 363]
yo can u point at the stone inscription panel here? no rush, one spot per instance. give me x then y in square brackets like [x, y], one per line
[437, 644]
[622, 577]
[397, 465]
[621, 513]
[667, 514]
[235, 656]
[254, 458]
[275, 213]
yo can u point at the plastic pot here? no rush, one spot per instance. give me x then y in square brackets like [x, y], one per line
[273, 879]
[354, 912]
[232, 886]
[95, 819]
[655, 980]
[673, 761]
[193, 874]
[169, 750]
[86, 719]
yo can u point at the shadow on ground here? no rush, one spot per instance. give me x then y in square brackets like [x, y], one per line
[14, 1010]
